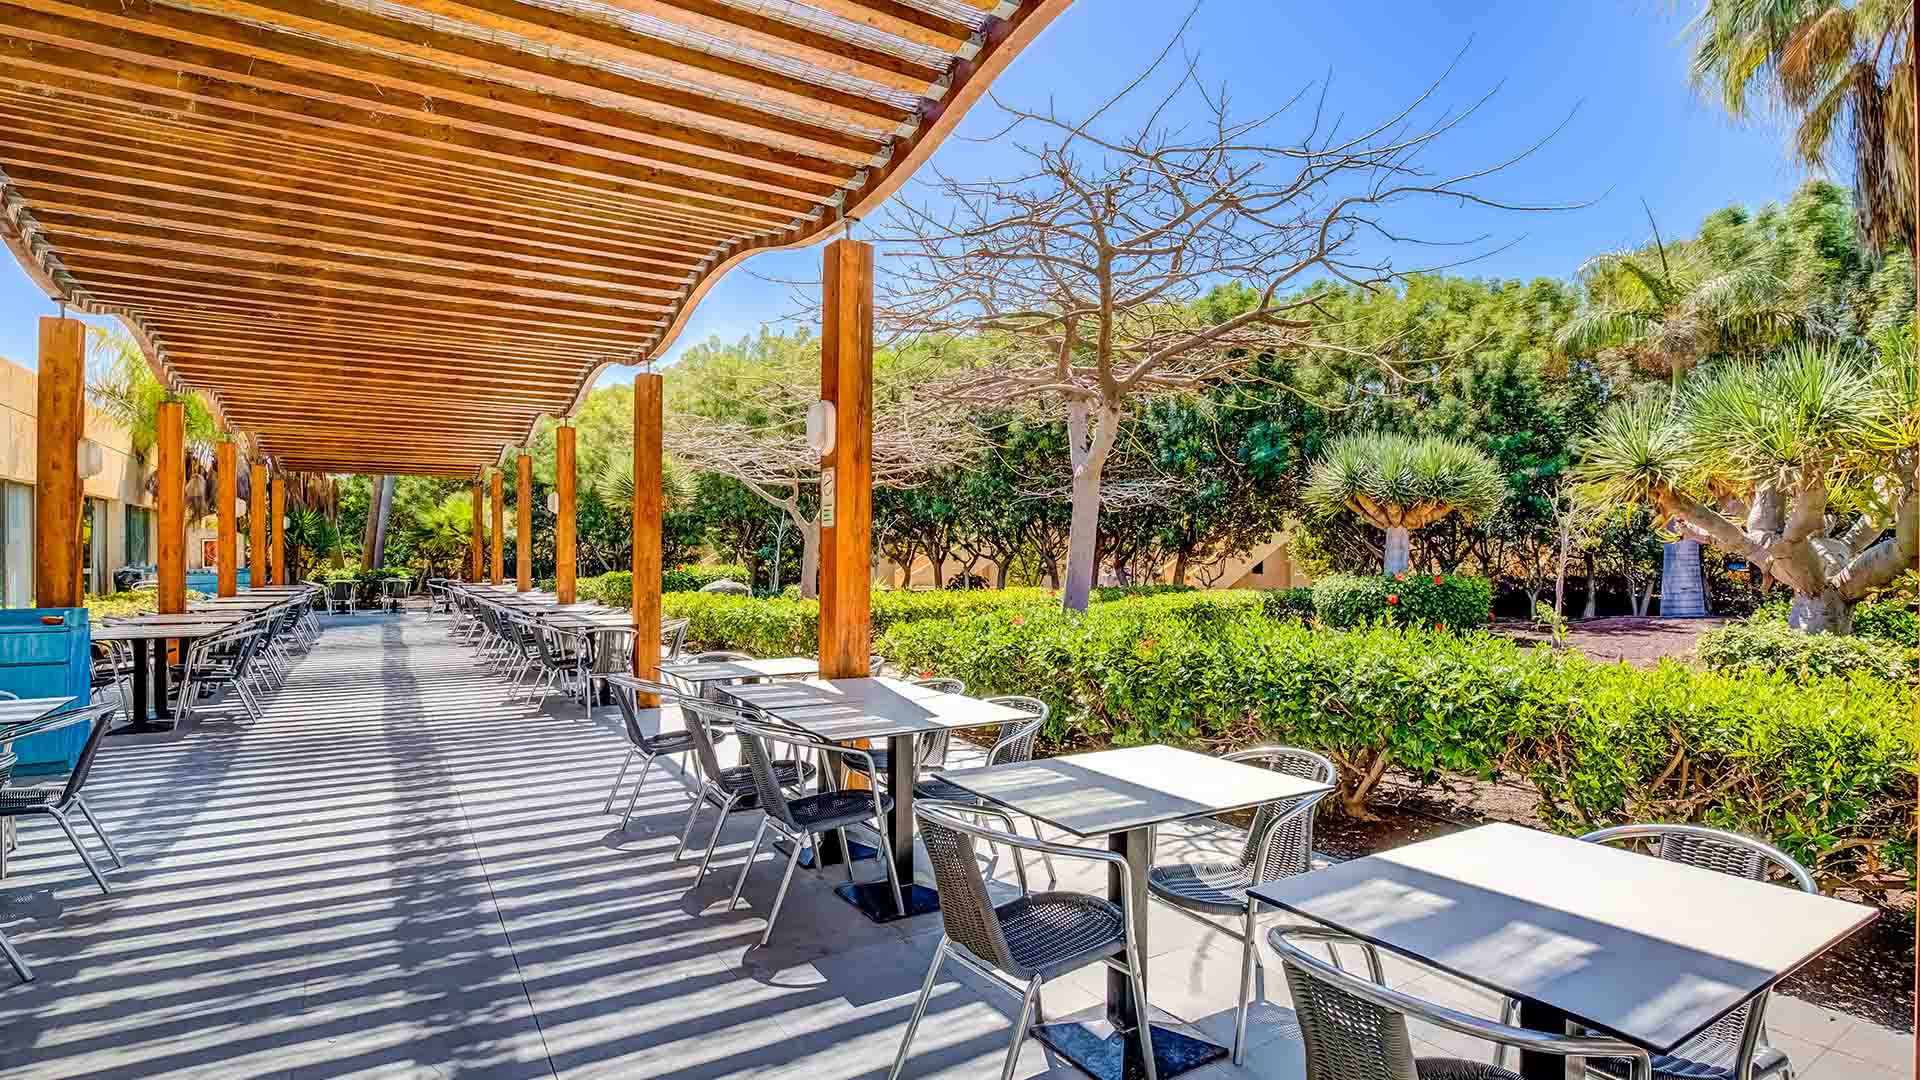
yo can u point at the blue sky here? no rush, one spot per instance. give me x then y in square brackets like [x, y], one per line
[1638, 130]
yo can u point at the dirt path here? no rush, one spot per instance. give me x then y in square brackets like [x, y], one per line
[1637, 641]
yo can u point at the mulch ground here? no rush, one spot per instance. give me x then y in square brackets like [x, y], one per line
[1631, 639]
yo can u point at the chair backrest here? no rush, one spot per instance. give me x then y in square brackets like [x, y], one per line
[1727, 853]
[627, 689]
[98, 714]
[1014, 742]
[342, 590]
[755, 748]
[700, 715]
[965, 909]
[673, 634]
[1290, 850]
[932, 747]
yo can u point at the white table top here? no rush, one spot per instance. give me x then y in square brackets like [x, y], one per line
[1649, 950]
[151, 631]
[1110, 791]
[836, 710]
[775, 667]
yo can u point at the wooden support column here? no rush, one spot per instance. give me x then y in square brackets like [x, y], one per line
[477, 538]
[57, 503]
[499, 530]
[227, 541]
[172, 518]
[846, 472]
[564, 542]
[258, 514]
[523, 509]
[648, 506]
[277, 519]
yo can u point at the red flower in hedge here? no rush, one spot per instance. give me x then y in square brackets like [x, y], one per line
[1148, 643]
[1401, 576]
[926, 674]
[1437, 581]
[1019, 620]
[1393, 598]
[1440, 626]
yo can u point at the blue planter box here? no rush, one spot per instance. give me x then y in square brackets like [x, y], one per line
[47, 652]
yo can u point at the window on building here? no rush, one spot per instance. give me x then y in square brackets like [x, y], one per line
[1259, 568]
[139, 535]
[16, 545]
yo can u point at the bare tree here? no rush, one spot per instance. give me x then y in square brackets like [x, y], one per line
[769, 453]
[1085, 269]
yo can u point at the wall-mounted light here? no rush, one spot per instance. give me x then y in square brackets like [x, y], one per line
[553, 502]
[821, 421]
[92, 459]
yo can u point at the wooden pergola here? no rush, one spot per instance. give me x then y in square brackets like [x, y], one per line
[387, 236]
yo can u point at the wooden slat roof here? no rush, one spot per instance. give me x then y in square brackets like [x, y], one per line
[388, 235]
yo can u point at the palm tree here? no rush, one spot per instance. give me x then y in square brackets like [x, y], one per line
[1401, 484]
[123, 388]
[1840, 71]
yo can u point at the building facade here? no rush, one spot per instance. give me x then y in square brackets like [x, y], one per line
[117, 523]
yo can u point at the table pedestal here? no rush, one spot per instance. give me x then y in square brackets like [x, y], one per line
[1116, 1056]
[1536, 1017]
[148, 691]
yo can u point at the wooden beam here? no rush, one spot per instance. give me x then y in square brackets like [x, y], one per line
[277, 521]
[648, 507]
[477, 539]
[523, 513]
[171, 520]
[565, 544]
[259, 570]
[57, 503]
[846, 520]
[226, 476]
[499, 529]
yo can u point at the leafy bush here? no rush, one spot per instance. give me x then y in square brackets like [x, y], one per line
[690, 578]
[1288, 603]
[1413, 599]
[1824, 767]
[1887, 620]
[125, 605]
[1775, 646]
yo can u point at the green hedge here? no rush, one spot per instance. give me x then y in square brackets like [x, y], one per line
[1448, 602]
[1825, 768]
[1288, 603]
[1887, 620]
[691, 578]
[789, 626]
[1767, 645]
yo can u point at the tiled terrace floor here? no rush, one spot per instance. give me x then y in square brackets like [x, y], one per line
[397, 874]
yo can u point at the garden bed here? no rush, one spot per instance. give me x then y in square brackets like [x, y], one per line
[1632, 639]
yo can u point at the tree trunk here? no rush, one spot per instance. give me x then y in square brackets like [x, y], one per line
[1592, 607]
[1090, 435]
[939, 568]
[1000, 573]
[382, 520]
[1560, 577]
[1180, 568]
[1399, 548]
[1826, 612]
[810, 558]
[1683, 581]
[1644, 602]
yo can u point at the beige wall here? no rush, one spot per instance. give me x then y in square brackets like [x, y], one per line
[121, 482]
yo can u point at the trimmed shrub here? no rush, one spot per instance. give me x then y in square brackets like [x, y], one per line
[1888, 620]
[1823, 767]
[1457, 601]
[1775, 646]
[1288, 603]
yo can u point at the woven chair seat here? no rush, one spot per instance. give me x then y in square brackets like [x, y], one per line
[940, 789]
[26, 798]
[1455, 1069]
[834, 809]
[738, 780]
[1705, 1058]
[669, 742]
[882, 760]
[1219, 888]
[1051, 933]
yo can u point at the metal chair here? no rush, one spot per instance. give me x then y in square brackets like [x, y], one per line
[673, 638]
[807, 817]
[1736, 1047]
[1012, 743]
[730, 790]
[1356, 1026]
[57, 801]
[1025, 941]
[342, 597]
[1279, 843]
[605, 651]
[644, 746]
[224, 659]
[395, 590]
[930, 750]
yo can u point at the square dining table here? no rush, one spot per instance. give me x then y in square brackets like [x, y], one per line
[1643, 949]
[844, 710]
[149, 712]
[1122, 795]
[704, 675]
